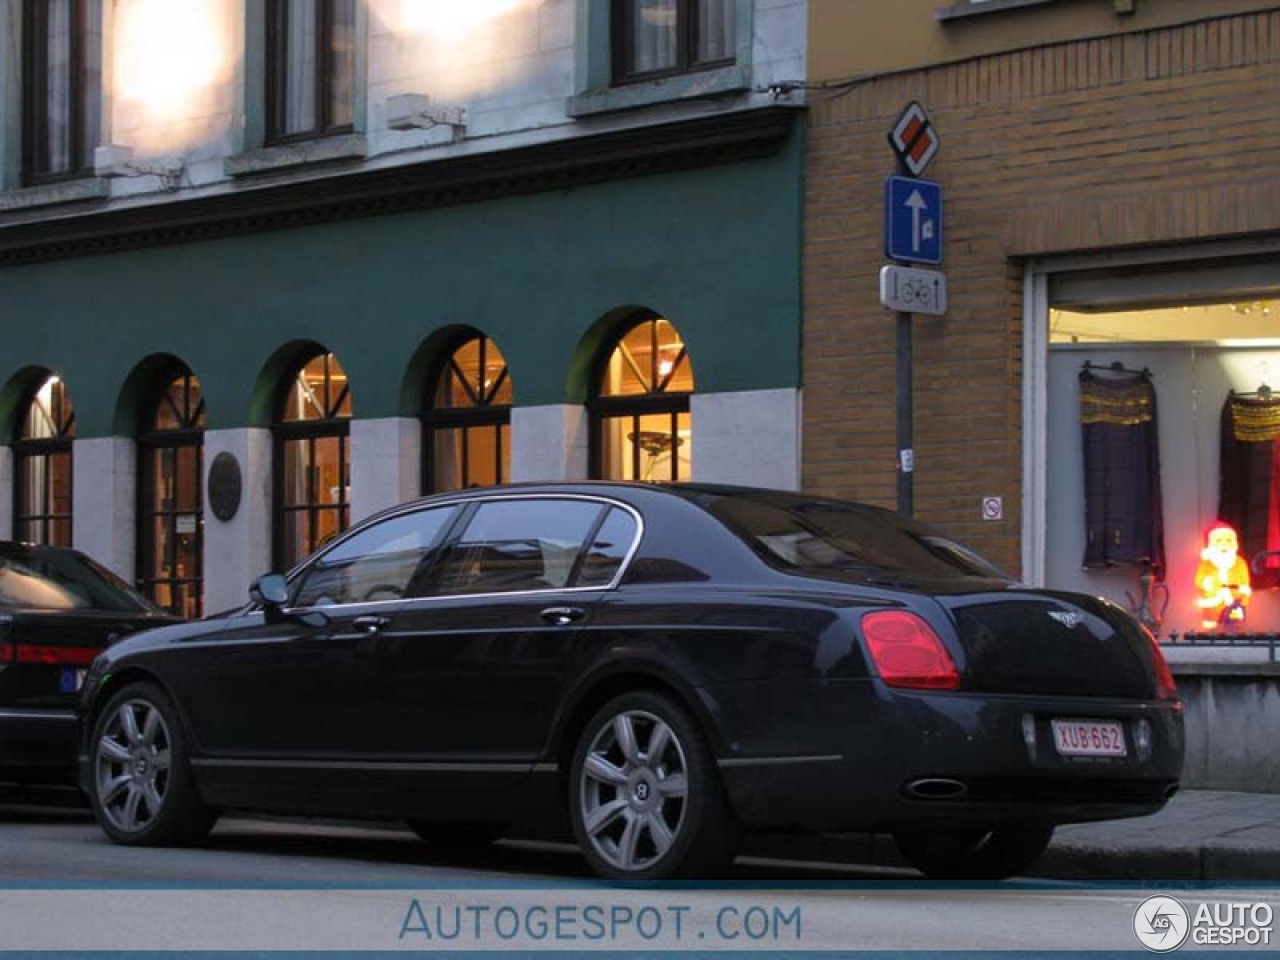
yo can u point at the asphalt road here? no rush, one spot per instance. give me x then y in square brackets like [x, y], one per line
[289, 885]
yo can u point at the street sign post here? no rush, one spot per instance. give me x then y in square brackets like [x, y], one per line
[912, 220]
[911, 290]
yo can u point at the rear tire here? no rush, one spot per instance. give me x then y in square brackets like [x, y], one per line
[997, 852]
[140, 785]
[645, 797]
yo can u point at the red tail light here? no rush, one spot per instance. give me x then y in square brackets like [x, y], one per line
[56, 656]
[907, 652]
[1166, 688]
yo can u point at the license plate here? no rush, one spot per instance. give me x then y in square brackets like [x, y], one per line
[72, 679]
[1088, 738]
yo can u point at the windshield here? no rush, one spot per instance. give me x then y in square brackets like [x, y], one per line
[48, 578]
[812, 532]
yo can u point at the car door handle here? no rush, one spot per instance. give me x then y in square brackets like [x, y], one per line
[369, 624]
[562, 616]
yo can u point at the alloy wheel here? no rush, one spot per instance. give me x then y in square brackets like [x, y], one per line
[633, 790]
[132, 765]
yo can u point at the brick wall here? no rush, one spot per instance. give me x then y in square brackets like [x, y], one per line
[1141, 139]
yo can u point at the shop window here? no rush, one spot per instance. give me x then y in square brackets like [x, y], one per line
[654, 38]
[467, 430]
[641, 427]
[312, 460]
[170, 468]
[42, 466]
[61, 88]
[311, 65]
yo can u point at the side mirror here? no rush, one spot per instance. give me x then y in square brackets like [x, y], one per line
[271, 592]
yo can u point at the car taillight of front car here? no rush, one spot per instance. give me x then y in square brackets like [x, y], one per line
[907, 652]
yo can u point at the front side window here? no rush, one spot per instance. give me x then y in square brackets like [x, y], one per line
[61, 88]
[653, 38]
[386, 561]
[42, 466]
[642, 426]
[513, 545]
[467, 430]
[171, 529]
[312, 459]
[310, 68]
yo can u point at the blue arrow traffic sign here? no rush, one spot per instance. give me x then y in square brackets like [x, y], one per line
[913, 220]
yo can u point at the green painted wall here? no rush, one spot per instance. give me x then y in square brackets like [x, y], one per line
[716, 250]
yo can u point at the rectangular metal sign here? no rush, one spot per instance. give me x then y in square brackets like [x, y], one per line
[911, 290]
[913, 220]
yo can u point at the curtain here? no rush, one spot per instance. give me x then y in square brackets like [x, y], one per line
[1248, 498]
[1124, 518]
[300, 66]
[715, 30]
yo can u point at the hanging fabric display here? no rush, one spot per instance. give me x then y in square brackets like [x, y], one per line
[1124, 518]
[1248, 498]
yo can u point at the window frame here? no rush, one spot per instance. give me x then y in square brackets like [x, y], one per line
[44, 448]
[152, 443]
[481, 413]
[622, 45]
[34, 109]
[285, 432]
[276, 66]
[656, 402]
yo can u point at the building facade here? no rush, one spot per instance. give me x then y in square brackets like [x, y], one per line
[268, 266]
[1112, 222]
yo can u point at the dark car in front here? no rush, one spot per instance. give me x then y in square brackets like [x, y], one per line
[58, 610]
[665, 666]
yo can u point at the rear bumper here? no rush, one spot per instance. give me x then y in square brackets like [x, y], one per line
[921, 758]
[37, 746]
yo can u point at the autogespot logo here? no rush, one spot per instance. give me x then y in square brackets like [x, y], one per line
[1161, 924]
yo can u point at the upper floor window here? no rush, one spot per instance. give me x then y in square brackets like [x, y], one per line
[61, 88]
[654, 38]
[310, 68]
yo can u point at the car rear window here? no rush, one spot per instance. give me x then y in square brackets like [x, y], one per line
[814, 532]
[45, 578]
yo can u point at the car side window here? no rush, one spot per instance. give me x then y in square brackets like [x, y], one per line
[513, 545]
[608, 549]
[378, 563]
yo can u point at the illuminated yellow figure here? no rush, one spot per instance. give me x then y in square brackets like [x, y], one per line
[1223, 579]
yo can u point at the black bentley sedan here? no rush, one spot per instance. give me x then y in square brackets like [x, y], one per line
[58, 610]
[668, 664]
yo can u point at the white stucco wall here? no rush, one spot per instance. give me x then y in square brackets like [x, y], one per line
[385, 464]
[104, 474]
[549, 442]
[750, 437]
[237, 551]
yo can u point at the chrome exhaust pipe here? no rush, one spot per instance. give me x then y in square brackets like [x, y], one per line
[935, 788]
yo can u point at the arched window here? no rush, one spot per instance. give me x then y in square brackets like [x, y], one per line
[640, 406]
[42, 466]
[312, 459]
[171, 520]
[467, 430]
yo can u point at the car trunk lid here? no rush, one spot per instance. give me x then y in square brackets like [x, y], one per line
[1051, 643]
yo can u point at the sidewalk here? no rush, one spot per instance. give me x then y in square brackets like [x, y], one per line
[1201, 836]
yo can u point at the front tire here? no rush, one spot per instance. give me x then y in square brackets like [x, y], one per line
[645, 797]
[141, 789]
[975, 853]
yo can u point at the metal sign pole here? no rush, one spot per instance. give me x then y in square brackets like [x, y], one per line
[906, 417]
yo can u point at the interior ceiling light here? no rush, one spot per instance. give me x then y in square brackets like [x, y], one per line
[663, 16]
[1262, 307]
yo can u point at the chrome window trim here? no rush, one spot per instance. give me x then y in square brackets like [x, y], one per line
[464, 502]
